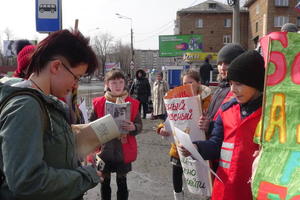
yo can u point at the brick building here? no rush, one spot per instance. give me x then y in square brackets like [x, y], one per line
[266, 16]
[212, 20]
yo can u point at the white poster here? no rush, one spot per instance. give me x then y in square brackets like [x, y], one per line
[8, 48]
[183, 113]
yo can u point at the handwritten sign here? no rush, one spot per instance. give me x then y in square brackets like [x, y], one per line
[278, 169]
[183, 113]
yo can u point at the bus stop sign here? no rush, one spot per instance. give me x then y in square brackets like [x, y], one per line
[48, 15]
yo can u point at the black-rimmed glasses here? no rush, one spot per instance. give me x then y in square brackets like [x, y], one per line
[76, 78]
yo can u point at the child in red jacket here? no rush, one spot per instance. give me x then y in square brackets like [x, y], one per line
[232, 137]
[118, 153]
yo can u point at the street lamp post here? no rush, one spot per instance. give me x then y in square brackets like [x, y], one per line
[236, 20]
[131, 43]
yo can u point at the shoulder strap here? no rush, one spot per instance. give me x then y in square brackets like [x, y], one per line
[43, 107]
[36, 97]
[133, 82]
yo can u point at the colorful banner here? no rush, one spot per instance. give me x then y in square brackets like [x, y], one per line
[110, 66]
[278, 169]
[177, 45]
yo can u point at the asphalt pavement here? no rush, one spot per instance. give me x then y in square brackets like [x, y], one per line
[151, 175]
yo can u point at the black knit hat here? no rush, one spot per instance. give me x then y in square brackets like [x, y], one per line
[229, 52]
[249, 69]
[289, 27]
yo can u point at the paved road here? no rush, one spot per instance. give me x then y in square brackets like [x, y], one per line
[93, 86]
[150, 178]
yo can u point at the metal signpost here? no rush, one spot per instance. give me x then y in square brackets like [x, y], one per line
[48, 15]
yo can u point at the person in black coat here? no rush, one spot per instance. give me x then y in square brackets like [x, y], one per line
[141, 90]
[205, 69]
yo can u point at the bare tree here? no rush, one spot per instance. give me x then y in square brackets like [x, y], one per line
[121, 54]
[8, 33]
[102, 45]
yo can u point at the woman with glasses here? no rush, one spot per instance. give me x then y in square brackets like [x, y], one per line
[37, 155]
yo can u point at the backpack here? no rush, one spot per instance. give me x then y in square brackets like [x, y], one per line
[14, 91]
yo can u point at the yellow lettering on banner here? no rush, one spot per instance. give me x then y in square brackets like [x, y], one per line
[277, 118]
[298, 134]
[258, 129]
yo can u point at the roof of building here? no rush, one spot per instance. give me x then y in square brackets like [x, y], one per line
[204, 7]
[248, 3]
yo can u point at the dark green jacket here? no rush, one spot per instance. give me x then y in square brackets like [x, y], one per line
[37, 164]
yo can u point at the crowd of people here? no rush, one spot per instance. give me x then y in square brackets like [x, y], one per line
[48, 166]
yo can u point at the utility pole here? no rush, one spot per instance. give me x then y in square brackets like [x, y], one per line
[131, 44]
[132, 54]
[76, 25]
[236, 30]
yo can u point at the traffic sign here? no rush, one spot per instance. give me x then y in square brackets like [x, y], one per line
[48, 15]
[132, 65]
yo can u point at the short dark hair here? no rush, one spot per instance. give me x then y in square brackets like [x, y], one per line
[159, 74]
[71, 45]
[114, 74]
[20, 44]
[193, 74]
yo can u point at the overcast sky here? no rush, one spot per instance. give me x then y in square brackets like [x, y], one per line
[150, 18]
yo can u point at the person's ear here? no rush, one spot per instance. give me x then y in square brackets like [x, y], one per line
[54, 66]
[106, 84]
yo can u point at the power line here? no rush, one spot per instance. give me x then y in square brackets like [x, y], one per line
[158, 29]
[154, 30]
[193, 3]
[154, 35]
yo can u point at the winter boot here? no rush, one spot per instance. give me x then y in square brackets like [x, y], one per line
[105, 189]
[179, 195]
[122, 193]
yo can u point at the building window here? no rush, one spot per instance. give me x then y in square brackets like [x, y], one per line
[280, 20]
[226, 39]
[257, 9]
[212, 5]
[227, 23]
[284, 3]
[199, 23]
[256, 27]
[298, 21]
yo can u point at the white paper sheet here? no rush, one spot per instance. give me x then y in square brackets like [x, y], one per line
[168, 128]
[84, 111]
[186, 141]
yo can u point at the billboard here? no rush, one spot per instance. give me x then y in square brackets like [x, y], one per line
[110, 66]
[177, 45]
[9, 47]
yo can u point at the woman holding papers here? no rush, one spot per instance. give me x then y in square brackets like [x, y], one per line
[231, 140]
[204, 92]
[118, 153]
[38, 158]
